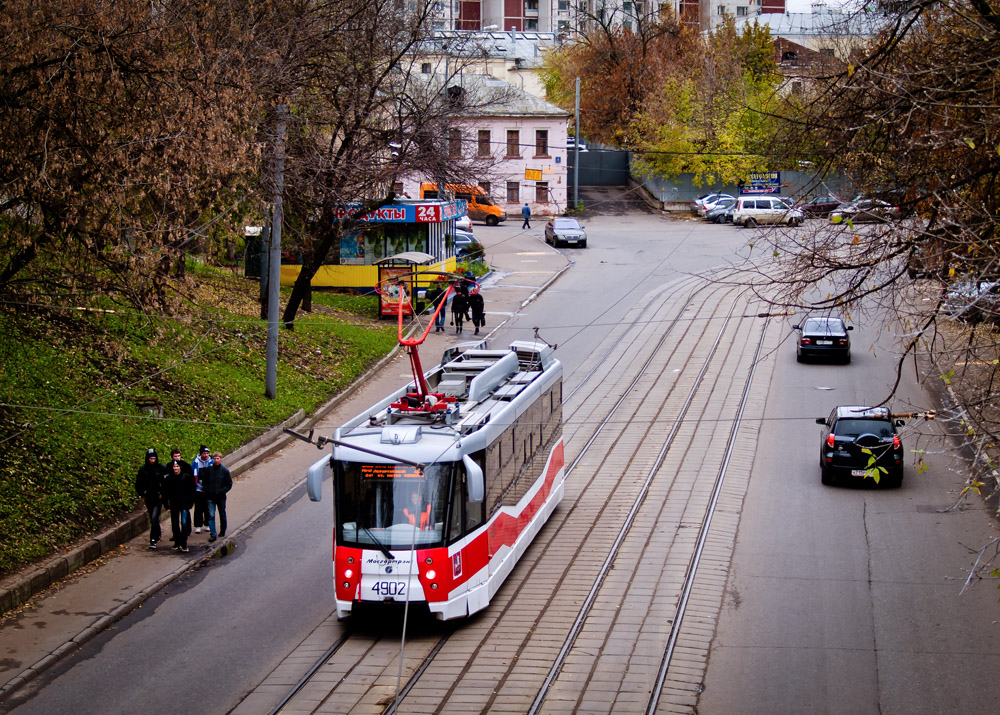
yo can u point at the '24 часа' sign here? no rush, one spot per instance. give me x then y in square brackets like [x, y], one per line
[762, 182]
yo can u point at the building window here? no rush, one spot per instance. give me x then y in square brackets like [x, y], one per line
[455, 143]
[563, 26]
[741, 11]
[513, 192]
[541, 192]
[397, 188]
[564, 4]
[530, 24]
[485, 186]
[513, 144]
[531, 5]
[484, 142]
[541, 142]
[722, 9]
[425, 67]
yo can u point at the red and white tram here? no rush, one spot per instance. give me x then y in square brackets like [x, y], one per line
[440, 487]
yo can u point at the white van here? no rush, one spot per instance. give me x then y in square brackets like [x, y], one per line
[754, 210]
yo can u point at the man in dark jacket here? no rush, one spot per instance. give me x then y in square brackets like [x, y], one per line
[478, 310]
[218, 482]
[434, 297]
[149, 487]
[180, 496]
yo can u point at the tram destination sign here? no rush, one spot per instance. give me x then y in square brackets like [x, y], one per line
[762, 182]
[389, 471]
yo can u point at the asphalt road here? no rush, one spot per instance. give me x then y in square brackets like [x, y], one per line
[837, 600]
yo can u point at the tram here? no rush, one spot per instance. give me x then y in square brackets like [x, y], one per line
[439, 488]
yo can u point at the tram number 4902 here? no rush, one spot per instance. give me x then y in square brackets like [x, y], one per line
[389, 588]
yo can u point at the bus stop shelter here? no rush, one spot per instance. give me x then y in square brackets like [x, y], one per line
[402, 266]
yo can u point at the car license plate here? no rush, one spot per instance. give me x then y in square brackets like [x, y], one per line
[858, 472]
[824, 342]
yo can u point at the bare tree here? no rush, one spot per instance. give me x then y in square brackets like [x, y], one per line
[361, 115]
[118, 128]
[913, 121]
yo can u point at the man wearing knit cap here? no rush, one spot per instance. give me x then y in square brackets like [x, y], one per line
[149, 487]
[202, 462]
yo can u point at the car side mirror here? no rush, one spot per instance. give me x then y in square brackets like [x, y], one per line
[796, 327]
[821, 421]
[850, 327]
[900, 423]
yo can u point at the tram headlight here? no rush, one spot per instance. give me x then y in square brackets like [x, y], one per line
[346, 584]
[431, 574]
[434, 587]
[428, 561]
[350, 559]
[348, 573]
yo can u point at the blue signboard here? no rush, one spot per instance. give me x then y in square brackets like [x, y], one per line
[762, 182]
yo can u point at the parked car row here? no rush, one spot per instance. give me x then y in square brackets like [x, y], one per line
[749, 211]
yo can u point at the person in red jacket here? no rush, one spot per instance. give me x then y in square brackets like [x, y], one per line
[425, 513]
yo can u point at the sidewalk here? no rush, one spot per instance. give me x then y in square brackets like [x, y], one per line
[91, 599]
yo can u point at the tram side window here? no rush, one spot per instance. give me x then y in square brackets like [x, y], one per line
[475, 513]
[457, 503]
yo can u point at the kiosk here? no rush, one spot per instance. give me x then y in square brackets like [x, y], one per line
[407, 226]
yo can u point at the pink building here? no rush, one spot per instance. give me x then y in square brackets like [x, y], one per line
[526, 139]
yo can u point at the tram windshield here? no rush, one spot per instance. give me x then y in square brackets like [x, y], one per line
[392, 506]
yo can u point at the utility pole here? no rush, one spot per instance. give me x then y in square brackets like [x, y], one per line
[576, 150]
[274, 261]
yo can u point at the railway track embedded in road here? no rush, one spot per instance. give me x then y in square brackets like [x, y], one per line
[429, 649]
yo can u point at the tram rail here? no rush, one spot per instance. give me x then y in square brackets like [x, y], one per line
[418, 671]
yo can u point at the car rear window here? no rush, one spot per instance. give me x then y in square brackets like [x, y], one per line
[819, 325]
[858, 427]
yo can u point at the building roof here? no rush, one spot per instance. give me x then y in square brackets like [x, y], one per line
[492, 97]
[523, 48]
[821, 24]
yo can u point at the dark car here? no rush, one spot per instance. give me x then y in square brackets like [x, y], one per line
[866, 211]
[825, 337]
[861, 443]
[820, 205]
[468, 246]
[565, 230]
[721, 211]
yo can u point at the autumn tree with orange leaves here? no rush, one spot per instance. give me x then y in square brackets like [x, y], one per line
[680, 101]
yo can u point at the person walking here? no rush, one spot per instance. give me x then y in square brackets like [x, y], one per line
[526, 212]
[459, 309]
[180, 496]
[434, 297]
[218, 482]
[175, 456]
[202, 461]
[477, 307]
[149, 487]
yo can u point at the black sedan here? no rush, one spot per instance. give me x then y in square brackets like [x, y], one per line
[861, 443]
[565, 230]
[820, 206]
[722, 212]
[825, 337]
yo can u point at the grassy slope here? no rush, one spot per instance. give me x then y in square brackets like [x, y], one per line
[63, 475]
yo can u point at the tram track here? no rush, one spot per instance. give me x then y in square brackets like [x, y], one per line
[551, 535]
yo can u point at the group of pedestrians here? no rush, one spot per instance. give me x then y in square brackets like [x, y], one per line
[466, 304]
[201, 485]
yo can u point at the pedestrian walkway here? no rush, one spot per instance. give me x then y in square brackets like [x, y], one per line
[51, 625]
